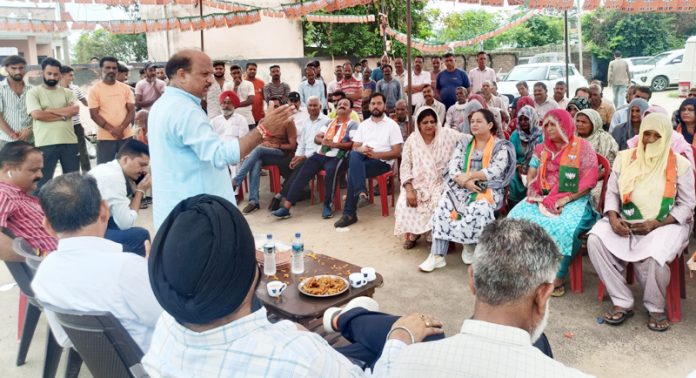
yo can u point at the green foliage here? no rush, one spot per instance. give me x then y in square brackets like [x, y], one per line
[605, 31]
[125, 47]
[363, 39]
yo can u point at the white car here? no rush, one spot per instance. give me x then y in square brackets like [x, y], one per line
[547, 73]
[663, 73]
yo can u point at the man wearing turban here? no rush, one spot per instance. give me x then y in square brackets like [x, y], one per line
[230, 125]
[203, 272]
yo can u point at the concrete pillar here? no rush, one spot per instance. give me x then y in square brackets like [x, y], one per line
[32, 56]
[66, 51]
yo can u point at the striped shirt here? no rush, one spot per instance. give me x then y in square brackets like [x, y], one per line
[350, 87]
[22, 214]
[79, 95]
[272, 90]
[247, 347]
[13, 109]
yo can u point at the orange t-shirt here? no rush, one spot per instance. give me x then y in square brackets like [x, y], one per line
[257, 106]
[111, 101]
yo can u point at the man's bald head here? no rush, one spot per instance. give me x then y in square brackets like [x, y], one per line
[191, 70]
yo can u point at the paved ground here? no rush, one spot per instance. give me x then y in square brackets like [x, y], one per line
[577, 339]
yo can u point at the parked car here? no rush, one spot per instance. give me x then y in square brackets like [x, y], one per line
[687, 73]
[547, 73]
[664, 73]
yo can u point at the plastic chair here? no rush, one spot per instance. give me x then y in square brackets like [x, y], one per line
[273, 177]
[321, 176]
[576, 264]
[383, 193]
[105, 346]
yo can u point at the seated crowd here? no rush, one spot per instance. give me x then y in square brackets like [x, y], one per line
[516, 183]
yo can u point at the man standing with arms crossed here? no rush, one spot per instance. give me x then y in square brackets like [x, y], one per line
[15, 122]
[52, 107]
[619, 78]
[112, 107]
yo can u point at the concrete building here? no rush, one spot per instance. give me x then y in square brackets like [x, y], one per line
[34, 46]
[269, 38]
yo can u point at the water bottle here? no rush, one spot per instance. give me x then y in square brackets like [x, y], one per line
[297, 255]
[269, 256]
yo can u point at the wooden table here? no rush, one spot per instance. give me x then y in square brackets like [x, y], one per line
[295, 306]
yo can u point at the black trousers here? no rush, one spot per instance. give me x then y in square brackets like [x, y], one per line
[107, 149]
[65, 153]
[82, 148]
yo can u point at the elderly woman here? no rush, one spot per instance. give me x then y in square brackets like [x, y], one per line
[648, 218]
[588, 124]
[577, 104]
[521, 103]
[686, 120]
[478, 172]
[561, 174]
[627, 130]
[525, 140]
[423, 164]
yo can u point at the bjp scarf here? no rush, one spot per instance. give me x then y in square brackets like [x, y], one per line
[487, 195]
[648, 173]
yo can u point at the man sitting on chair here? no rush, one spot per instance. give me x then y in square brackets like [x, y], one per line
[376, 145]
[20, 212]
[114, 179]
[88, 272]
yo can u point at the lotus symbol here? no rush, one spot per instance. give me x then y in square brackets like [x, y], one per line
[629, 212]
[570, 176]
[572, 157]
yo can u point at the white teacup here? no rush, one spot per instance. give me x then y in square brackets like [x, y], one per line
[357, 280]
[275, 288]
[369, 273]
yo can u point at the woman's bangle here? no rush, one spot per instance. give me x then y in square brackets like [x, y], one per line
[410, 334]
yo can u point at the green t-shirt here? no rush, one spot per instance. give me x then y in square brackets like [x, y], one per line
[56, 132]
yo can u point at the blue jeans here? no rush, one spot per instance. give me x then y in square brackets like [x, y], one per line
[619, 92]
[132, 239]
[252, 165]
[360, 167]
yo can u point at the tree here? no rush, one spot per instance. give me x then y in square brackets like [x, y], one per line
[125, 47]
[605, 31]
[364, 39]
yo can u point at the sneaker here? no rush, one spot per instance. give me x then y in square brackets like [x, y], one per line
[364, 302]
[432, 262]
[250, 207]
[282, 213]
[363, 200]
[468, 253]
[327, 212]
[346, 221]
[274, 205]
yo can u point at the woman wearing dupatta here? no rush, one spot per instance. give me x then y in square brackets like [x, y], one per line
[521, 103]
[525, 140]
[686, 120]
[423, 163]
[577, 104]
[588, 124]
[561, 174]
[478, 173]
[648, 216]
[627, 130]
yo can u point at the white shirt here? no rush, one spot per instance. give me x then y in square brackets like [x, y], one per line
[306, 146]
[350, 128]
[380, 136]
[247, 347]
[544, 108]
[423, 78]
[299, 118]
[477, 77]
[439, 109]
[213, 99]
[331, 88]
[244, 90]
[94, 274]
[563, 103]
[233, 128]
[481, 349]
[112, 187]
[620, 116]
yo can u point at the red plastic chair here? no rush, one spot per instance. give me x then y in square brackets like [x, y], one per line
[321, 176]
[576, 265]
[273, 177]
[383, 193]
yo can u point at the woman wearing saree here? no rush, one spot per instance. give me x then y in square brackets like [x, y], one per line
[423, 164]
[648, 219]
[525, 140]
[478, 173]
[588, 124]
[561, 174]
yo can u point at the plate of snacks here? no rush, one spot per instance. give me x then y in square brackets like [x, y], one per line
[323, 286]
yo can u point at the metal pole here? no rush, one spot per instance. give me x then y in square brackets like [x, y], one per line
[567, 54]
[384, 35]
[200, 12]
[579, 21]
[409, 73]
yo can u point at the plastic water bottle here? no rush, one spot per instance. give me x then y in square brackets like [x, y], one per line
[269, 256]
[297, 255]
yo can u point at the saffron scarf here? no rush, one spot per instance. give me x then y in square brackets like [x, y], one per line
[649, 172]
[487, 195]
[335, 127]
